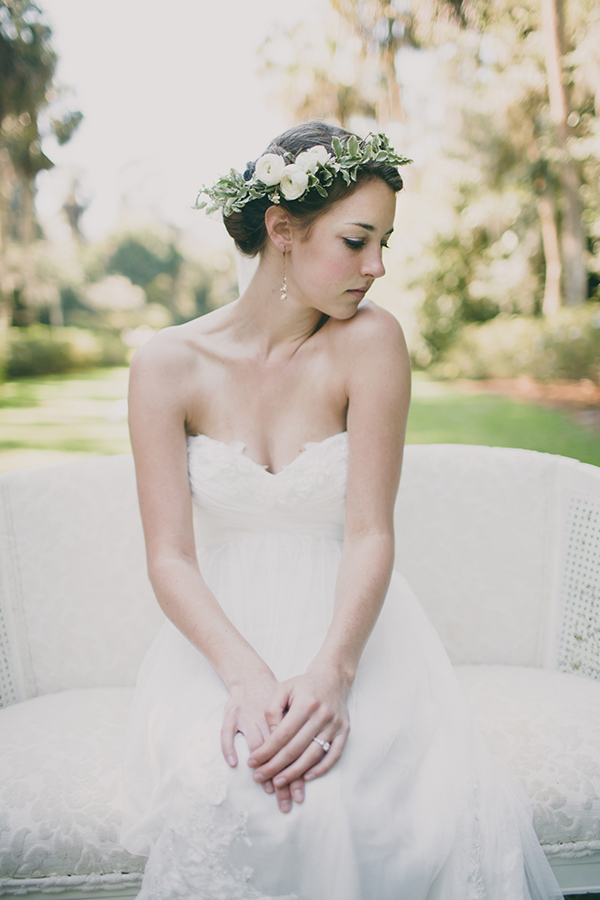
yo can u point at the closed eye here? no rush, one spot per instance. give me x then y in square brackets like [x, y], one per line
[358, 244]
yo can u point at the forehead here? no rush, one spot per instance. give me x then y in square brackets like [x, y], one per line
[373, 203]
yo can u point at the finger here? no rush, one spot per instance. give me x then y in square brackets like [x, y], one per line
[269, 787]
[255, 737]
[275, 710]
[307, 761]
[297, 790]
[328, 760]
[228, 733]
[284, 798]
[293, 735]
[302, 742]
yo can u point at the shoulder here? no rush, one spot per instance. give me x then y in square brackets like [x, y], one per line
[372, 335]
[162, 372]
[170, 353]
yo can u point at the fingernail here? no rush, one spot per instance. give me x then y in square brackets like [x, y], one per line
[269, 788]
[298, 796]
[231, 760]
[285, 806]
[251, 762]
[309, 776]
[279, 781]
[258, 776]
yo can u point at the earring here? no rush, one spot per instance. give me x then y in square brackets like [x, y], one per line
[283, 288]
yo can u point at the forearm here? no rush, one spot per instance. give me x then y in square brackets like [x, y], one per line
[361, 587]
[188, 602]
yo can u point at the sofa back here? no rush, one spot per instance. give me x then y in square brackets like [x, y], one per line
[501, 546]
[78, 609]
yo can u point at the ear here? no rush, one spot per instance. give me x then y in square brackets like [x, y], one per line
[279, 229]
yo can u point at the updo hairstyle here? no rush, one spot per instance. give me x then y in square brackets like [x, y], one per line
[247, 227]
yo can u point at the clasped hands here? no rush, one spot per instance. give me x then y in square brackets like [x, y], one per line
[279, 722]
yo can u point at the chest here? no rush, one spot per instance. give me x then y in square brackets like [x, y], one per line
[245, 400]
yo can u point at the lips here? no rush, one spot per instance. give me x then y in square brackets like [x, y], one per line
[359, 292]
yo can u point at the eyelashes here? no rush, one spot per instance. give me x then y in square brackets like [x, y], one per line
[359, 244]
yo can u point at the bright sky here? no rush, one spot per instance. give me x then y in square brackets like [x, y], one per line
[171, 97]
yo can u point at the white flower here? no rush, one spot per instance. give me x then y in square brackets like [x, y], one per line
[309, 159]
[269, 168]
[294, 182]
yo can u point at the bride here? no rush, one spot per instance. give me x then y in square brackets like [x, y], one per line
[297, 730]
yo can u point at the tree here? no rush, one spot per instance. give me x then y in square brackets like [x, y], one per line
[557, 173]
[27, 89]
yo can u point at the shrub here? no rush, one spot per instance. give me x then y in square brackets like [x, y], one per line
[564, 346]
[43, 350]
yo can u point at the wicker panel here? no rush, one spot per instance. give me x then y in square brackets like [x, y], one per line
[8, 687]
[579, 639]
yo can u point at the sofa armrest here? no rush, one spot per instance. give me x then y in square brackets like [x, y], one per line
[576, 629]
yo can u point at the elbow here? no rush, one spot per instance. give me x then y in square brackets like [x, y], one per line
[377, 539]
[165, 568]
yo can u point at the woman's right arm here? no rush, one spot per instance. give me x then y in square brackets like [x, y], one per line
[162, 374]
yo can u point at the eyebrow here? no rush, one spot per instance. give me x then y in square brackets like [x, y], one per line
[367, 227]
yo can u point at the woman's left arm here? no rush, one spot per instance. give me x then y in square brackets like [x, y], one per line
[378, 388]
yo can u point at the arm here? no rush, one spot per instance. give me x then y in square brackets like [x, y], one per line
[161, 375]
[378, 400]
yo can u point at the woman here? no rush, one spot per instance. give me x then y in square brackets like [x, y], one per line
[268, 441]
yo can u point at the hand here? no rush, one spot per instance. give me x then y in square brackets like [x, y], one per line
[245, 712]
[302, 708]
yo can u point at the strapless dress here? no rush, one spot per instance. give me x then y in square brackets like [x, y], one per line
[416, 809]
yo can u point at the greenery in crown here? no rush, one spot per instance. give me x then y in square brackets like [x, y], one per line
[292, 177]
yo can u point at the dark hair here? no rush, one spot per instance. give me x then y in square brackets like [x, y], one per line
[247, 227]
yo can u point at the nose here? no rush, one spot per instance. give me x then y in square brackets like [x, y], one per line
[373, 264]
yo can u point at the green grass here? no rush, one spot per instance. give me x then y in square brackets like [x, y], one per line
[46, 420]
[49, 419]
[443, 413]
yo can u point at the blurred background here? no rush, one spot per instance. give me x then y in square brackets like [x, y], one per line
[113, 114]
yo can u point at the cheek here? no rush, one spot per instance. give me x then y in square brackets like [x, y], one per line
[328, 267]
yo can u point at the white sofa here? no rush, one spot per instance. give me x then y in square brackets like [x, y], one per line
[502, 546]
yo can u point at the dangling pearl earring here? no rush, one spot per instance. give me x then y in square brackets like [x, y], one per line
[283, 288]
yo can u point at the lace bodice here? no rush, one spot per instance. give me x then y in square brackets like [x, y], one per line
[233, 495]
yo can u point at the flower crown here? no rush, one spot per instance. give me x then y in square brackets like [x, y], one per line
[275, 176]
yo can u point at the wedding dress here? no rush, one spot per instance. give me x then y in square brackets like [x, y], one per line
[416, 809]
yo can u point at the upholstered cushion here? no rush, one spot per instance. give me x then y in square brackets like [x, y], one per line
[545, 726]
[60, 771]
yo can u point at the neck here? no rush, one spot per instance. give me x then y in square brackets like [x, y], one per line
[275, 328]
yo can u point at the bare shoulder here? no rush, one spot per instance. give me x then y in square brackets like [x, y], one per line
[373, 333]
[170, 353]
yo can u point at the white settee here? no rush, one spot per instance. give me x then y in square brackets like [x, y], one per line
[502, 547]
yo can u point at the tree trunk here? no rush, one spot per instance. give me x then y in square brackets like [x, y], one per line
[391, 107]
[550, 243]
[572, 231]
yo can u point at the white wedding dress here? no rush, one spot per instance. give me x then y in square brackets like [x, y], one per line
[416, 809]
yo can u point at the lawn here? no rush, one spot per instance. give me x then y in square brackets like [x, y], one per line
[50, 419]
[444, 413]
[47, 420]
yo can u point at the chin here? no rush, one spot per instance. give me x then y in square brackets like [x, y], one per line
[342, 314]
